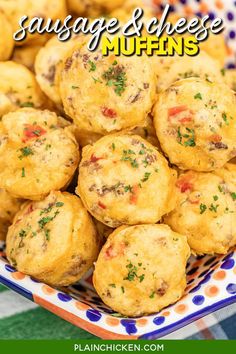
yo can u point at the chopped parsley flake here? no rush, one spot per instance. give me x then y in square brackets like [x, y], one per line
[146, 176]
[23, 172]
[198, 96]
[190, 137]
[225, 119]
[48, 146]
[152, 295]
[213, 208]
[45, 220]
[141, 152]
[92, 66]
[22, 233]
[221, 189]
[233, 195]
[132, 273]
[27, 104]
[115, 77]
[203, 208]
[59, 204]
[126, 157]
[112, 285]
[113, 146]
[222, 72]
[215, 197]
[128, 188]
[47, 234]
[122, 289]
[96, 80]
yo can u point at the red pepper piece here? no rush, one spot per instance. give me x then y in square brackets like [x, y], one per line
[108, 112]
[94, 158]
[101, 205]
[134, 196]
[175, 111]
[184, 184]
[32, 132]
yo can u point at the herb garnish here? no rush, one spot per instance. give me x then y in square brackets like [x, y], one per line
[233, 195]
[92, 66]
[146, 176]
[198, 96]
[27, 104]
[225, 119]
[222, 72]
[214, 207]
[203, 208]
[190, 137]
[152, 295]
[25, 151]
[115, 77]
[126, 157]
[132, 273]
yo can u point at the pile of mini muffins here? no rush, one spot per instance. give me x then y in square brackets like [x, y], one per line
[125, 163]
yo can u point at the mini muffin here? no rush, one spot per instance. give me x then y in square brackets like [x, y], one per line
[171, 69]
[230, 78]
[8, 208]
[26, 55]
[6, 39]
[46, 65]
[37, 153]
[123, 179]
[18, 88]
[195, 122]
[53, 240]
[93, 8]
[15, 9]
[206, 210]
[108, 91]
[141, 269]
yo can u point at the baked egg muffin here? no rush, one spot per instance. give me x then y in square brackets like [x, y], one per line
[195, 122]
[38, 153]
[18, 88]
[53, 240]
[141, 269]
[206, 210]
[123, 179]
[103, 94]
[46, 64]
[171, 69]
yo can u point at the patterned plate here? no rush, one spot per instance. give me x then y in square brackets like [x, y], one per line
[211, 280]
[211, 285]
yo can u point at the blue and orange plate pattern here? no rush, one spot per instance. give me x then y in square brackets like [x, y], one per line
[211, 286]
